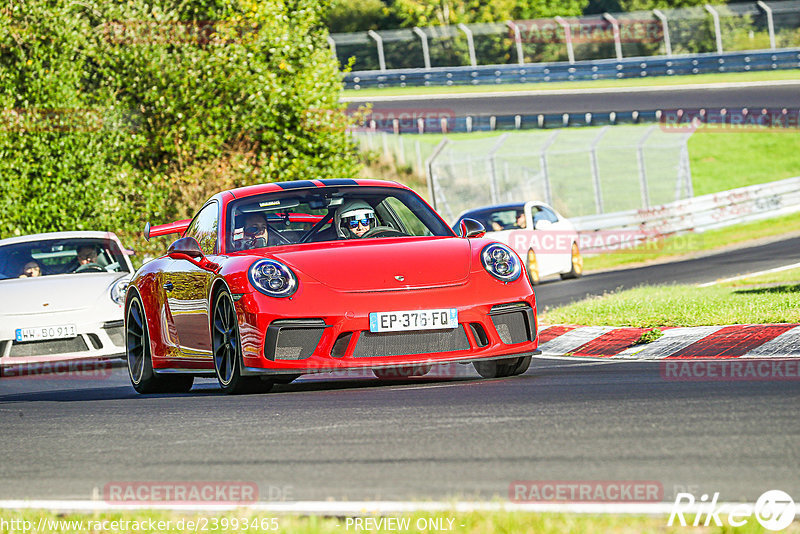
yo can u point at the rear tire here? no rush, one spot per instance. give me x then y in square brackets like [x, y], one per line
[139, 359]
[576, 260]
[227, 350]
[502, 368]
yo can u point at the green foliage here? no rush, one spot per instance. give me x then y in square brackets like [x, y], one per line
[114, 114]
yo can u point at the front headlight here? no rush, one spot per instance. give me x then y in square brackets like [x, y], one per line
[272, 278]
[501, 262]
[118, 290]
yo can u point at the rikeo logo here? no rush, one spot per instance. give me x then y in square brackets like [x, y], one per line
[774, 510]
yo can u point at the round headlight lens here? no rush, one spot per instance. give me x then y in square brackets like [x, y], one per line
[272, 278]
[117, 292]
[501, 262]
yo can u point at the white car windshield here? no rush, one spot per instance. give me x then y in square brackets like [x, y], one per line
[32, 259]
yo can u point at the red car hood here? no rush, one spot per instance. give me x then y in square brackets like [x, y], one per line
[378, 264]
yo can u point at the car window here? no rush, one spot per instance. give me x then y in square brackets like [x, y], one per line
[323, 214]
[61, 256]
[540, 213]
[204, 228]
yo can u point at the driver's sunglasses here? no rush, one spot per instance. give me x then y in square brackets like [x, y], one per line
[355, 222]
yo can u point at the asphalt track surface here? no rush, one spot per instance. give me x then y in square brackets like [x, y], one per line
[451, 436]
[770, 95]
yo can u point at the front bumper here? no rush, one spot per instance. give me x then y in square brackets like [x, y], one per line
[309, 340]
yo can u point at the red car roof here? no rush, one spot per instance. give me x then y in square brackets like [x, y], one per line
[302, 184]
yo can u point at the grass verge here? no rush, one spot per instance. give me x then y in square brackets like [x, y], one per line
[472, 523]
[684, 305]
[690, 244]
[732, 77]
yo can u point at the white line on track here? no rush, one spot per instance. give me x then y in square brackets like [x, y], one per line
[750, 275]
[363, 508]
[561, 92]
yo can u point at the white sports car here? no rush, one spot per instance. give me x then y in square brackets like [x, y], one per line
[538, 233]
[61, 297]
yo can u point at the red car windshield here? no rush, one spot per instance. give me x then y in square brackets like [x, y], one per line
[329, 214]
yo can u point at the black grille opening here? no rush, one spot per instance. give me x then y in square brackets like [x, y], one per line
[95, 341]
[293, 339]
[340, 345]
[514, 322]
[48, 347]
[117, 336]
[479, 334]
[376, 345]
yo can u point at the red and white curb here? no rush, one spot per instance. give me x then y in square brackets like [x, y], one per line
[759, 341]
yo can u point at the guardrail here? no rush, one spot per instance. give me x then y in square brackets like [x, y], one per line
[639, 67]
[698, 214]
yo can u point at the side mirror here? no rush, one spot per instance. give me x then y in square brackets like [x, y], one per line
[187, 246]
[471, 228]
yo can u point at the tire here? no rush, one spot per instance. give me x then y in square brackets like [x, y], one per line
[576, 267]
[227, 350]
[401, 372]
[502, 368]
[532, 267]
[139, 359]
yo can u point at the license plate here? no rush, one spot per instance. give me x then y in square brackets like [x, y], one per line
[62, 331]
[413, 320]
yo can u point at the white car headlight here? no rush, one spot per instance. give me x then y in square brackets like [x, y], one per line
[501, 262]
[117, 292]
[272, 278]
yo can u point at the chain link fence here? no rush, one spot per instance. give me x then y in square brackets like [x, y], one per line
[579, 171]
[711, 28]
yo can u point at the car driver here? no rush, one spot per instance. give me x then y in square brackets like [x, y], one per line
[354, 218]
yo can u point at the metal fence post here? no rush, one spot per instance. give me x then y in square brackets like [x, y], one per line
[332, 44]
[643, 167]
[548, 192]
[426, 54]
[717, 30]
[379, 41]
[598, 195]
[567, 37]
[517, 41]
[493, 168]
[431, 177]
[770, 23]
[617, 40]
[665, 27]
[470, 43]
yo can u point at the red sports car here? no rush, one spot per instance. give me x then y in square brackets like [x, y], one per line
[272, 281]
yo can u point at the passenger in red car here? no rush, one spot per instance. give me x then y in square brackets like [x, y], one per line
[354, 219]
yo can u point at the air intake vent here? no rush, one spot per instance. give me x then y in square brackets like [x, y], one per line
[48, 347]
[376, 345]
[514, 322]
[293, 339]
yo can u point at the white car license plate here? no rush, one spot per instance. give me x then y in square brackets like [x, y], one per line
[413, 320]
[62, 331]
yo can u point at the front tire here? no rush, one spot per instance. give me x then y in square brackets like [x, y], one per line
[139, 358]
[576, 268]
[502, 368]
[227, 350]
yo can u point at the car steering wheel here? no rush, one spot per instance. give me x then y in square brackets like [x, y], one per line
[383, 231]
[93, 267]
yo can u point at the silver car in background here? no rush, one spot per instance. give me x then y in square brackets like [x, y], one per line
[61, 297]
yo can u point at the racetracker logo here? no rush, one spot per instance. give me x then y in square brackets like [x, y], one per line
[730, 120]
[65, 370]
[197, 32]
[35, 120]
[634, 241]
[405, 120]
[180, 492]
[585, 31]
[731, 370]
[527, 491]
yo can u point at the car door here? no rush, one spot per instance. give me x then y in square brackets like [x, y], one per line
[188, 286]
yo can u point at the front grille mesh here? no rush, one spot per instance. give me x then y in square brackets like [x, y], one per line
[117, 335]
[376, 345]
[512, 327]
[48, 347]
[297, 343]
